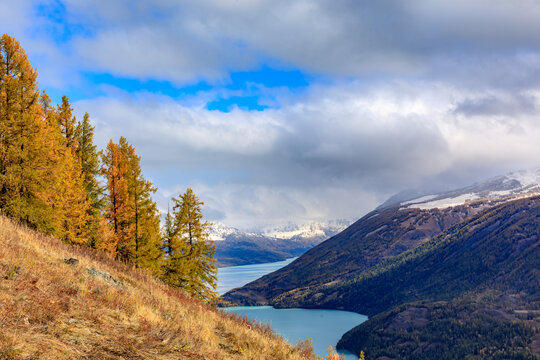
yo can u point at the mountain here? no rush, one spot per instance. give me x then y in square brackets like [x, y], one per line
[235, 247]
[65, 302]
[509, 186]
[473, 289]
[427, 267]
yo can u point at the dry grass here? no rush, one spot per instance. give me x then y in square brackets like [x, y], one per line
[53, 310]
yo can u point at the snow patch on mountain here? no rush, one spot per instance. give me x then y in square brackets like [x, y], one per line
[512, 185]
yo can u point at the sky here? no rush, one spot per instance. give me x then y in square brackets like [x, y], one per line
[278, 111]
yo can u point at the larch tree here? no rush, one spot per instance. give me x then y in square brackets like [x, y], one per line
[67, 123]
[191, 265]
[145, 239]
[24, 137]
[117, 206]
[90, 167]
[71, 198]
[168, 235]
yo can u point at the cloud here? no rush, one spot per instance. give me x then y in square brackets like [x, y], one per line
[335, 152]
[186, 41]
[400, 93]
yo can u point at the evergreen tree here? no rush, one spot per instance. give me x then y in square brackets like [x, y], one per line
[72, 203]
[190, 264]
[70, 200]
[67, 122]
[168, 235]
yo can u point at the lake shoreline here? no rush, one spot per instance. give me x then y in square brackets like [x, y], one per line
[325, 326]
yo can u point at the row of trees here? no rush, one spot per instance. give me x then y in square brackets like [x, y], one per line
[53, 177]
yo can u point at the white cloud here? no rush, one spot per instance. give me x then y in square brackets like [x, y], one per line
[433, 91]
[188, 41]
[334, 153]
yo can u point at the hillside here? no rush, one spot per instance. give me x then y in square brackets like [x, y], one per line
[379, 235]
[64, 302]
[240, 249]
[481, 277]
[403, 222]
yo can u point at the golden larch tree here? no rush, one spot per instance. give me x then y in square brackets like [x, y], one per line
[24, 140]
[117, 206]
[190, 264]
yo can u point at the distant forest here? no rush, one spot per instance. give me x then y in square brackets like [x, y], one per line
[53, 178]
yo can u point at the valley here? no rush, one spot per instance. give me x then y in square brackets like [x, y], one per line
[424, 270]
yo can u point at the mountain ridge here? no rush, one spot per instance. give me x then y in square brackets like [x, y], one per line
[236, 247]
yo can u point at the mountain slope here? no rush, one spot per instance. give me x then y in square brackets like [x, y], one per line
[379, 235]
[402, 223]
[240, 249]
[498, 248]
[473, 291]
[62, 302]
[443, 276]
[510, 186]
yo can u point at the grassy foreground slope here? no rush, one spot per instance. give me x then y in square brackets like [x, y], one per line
[97, 308]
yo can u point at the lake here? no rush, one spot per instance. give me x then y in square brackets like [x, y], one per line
[324, 327]
[235, 276]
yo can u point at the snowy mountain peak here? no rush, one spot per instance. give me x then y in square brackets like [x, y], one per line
[309, 230]
[314, 230]
[512, 185]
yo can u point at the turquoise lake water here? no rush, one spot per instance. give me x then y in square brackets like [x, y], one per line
[236, 276]
[324, 327]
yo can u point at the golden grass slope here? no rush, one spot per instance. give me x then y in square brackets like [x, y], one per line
[53, 310]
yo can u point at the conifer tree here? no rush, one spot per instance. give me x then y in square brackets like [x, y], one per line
[168, 235]
[145, 239]
[89, 160]
[23, 141]
[191, 265]
[69, 199]
[67, 122]
[117, 207]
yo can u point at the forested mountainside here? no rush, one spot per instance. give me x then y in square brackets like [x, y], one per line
[61, 301]
[473, 291]
[377, 236]
[239, 249]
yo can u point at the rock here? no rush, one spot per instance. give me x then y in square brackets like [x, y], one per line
[71, 261]
[105, 276]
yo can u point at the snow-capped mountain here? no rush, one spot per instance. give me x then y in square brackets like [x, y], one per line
[314, 230]
[236, 247]
[513, 185]
[291, 231]
[220, 231]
